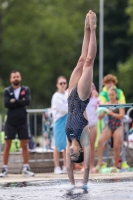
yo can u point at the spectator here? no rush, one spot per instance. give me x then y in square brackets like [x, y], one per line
[113, 129]
[108, 82]
[16, 97]
[92, 118]
[59, 112]
[48, 129]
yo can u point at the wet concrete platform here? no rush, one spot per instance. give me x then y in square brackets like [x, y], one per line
[52, 176]
[48, 186]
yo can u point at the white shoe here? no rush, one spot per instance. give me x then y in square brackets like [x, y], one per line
[57, 170]
[27, 172]
[64, 170]
[4, 172]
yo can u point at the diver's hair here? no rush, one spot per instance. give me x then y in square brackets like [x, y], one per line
[14, 71]
[80, 158]
[113, 89]
[59, 78]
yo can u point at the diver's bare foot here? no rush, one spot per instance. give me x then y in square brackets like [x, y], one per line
[87, 22]
[92, 20]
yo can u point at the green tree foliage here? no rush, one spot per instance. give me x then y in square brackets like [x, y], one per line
[125, 76]
[116, 45]
[129, 11]
[42, 39]
[1, 97]
[125, 70]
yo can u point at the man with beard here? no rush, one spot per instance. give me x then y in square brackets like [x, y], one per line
[16, 98]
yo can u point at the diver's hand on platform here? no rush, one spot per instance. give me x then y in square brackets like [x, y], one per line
[85, 187]
[71, 187]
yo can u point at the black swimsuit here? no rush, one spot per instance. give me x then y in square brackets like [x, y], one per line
[76, 120]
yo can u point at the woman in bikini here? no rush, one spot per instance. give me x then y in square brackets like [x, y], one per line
[113, 129]
[79, 92]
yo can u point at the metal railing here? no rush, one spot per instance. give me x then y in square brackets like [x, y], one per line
[32, 119]
[38, 131]
[128, 132]
[35, 131]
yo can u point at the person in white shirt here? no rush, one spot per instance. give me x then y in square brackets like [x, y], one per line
[59, 112]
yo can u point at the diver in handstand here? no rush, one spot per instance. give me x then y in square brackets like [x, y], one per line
[79, 91]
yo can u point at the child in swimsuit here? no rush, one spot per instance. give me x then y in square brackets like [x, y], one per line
[113, 129]
[113, 122]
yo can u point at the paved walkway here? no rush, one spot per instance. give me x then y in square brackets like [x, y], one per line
[50, 176]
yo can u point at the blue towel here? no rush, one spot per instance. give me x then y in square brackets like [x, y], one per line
[59, 133]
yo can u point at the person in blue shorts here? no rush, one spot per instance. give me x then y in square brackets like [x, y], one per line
[59, 113]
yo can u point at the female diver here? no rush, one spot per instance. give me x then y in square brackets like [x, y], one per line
[79, 91]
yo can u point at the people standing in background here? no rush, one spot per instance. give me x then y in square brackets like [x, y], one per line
[16, 98]
[110, 81]
[92, 118]
[59, 112]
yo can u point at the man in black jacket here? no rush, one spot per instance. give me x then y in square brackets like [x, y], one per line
[16, 98]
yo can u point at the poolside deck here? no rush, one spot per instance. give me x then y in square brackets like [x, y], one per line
[52, 176]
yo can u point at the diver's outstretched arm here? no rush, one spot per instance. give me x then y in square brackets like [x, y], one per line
[69, 166]
[86, 164]
[85, 138]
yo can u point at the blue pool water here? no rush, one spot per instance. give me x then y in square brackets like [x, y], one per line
[103, 189]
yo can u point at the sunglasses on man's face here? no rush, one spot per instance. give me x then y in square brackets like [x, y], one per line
[62, 83]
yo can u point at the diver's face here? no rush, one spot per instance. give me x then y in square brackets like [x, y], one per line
[75, 152]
